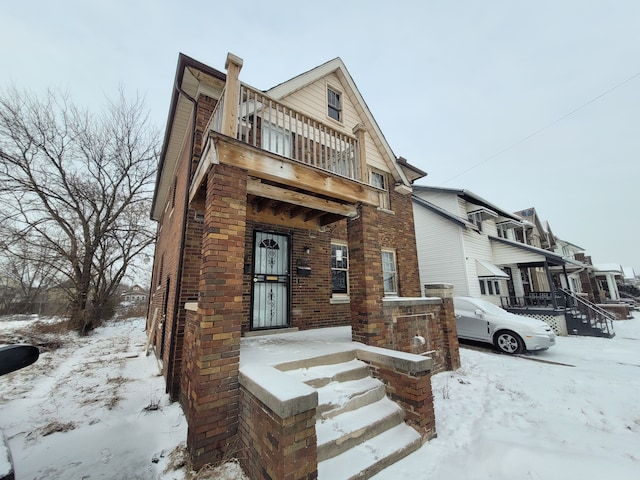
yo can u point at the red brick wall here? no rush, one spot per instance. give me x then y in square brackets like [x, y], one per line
[412, 391]
[210, 387]
[275, 447]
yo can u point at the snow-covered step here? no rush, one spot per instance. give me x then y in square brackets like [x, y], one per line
[368, 458]
[336, 398]
[338, 434]
[321, 375]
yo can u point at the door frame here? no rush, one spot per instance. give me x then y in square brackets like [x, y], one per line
[253, 281]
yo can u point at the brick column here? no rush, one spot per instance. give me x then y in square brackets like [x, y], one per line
[365, 280]
[448, 322]
[212, 339]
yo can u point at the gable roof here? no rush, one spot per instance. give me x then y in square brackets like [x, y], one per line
[184, 91]
[338, 67]
[461, 222]
[470, 197]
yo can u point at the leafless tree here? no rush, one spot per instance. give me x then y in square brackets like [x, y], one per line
[79, 186]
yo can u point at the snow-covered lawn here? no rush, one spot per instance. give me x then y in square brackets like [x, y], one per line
[95, 407]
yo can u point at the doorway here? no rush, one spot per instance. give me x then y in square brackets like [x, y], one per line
[271, 289]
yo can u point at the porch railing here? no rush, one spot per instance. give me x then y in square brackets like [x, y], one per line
[269, 125]
[565, 300]
[534, 300]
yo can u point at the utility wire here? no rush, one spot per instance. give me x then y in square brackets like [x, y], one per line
[524, 139]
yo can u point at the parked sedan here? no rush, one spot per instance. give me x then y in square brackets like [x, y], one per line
[483, 321]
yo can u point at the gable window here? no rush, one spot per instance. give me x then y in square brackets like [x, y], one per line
[339, 269]
[379, 180]
[389, 273]
[334, 104]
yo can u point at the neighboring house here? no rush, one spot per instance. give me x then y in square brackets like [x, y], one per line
[135, 294]
[608, 275]
[281, 210]
[505, 258]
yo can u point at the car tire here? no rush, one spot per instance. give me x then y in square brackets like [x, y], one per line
[508, 342]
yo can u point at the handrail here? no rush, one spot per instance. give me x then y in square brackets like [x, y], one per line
[270, 125]
[594, 313]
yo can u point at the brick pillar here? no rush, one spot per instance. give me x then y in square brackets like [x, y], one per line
[212, 339]
[448, 322]
[365, 280]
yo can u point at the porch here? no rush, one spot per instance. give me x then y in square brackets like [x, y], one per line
[580, 316]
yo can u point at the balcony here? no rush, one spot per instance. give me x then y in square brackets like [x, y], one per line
[301, 171]
[268, 125]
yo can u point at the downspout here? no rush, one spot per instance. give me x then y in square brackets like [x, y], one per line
[183, 235]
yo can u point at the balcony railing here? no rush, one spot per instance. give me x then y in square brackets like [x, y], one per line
[269, 125]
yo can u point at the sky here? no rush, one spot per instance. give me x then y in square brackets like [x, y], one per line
[525, 103]
[84, 409]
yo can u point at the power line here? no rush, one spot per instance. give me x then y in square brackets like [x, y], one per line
[536, 132]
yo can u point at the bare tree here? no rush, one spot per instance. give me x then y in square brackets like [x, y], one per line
[79, 186]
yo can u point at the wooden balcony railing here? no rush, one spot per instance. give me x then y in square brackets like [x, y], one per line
[269, 125]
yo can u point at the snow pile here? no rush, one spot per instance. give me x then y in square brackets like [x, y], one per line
[95, 407]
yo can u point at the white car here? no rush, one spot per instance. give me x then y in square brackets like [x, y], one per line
[485, 322]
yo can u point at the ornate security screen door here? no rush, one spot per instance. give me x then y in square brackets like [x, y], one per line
[270, 302]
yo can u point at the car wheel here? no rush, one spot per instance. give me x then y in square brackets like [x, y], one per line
[509, 342]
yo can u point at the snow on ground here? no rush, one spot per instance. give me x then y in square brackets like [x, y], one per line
[94, 407]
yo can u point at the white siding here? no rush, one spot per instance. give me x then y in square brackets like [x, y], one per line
[312, 101]
[440, 251]
[446, 201]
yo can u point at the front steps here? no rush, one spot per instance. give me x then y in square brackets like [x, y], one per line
[359, 430]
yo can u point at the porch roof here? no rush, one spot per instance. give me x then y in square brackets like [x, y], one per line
[528, 252]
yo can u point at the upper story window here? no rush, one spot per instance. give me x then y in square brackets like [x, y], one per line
[339, 269]
[389, 272]
[334, 104]
[476, 219]
[379, 180]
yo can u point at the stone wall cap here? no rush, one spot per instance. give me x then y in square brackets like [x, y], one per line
[282, 393]
[408, 301]
[403, 361]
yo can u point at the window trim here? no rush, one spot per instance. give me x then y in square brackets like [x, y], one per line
[344, 245]
[383, 195]
[395, 291]
[331, 107]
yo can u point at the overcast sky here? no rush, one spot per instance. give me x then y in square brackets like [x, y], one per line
[525, 103]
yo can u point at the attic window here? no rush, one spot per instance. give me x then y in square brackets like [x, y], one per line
[334, 104]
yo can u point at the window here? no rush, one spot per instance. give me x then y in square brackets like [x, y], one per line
[389, 274]
[476, 219]
[334, 104]
[503, 231]
[339, 269]
[276, 140]
[490, 287]
[379, 180]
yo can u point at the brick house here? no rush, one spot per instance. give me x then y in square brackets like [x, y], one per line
[281, 210]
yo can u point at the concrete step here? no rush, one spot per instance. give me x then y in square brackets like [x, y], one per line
[342, 432]
[337, 398]
[320, 375]
[370, 457]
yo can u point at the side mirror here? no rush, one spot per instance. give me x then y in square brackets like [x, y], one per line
[15, 357]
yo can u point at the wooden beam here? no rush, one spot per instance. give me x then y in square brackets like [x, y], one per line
[262, 164]
[256, 187]
[231, 96]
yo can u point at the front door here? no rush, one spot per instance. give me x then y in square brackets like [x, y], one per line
[271, 281]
